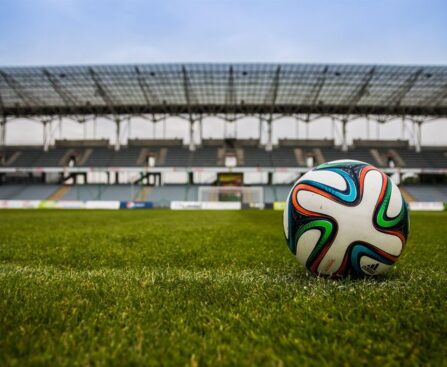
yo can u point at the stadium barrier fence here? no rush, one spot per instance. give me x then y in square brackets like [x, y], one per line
[206, 205]
[174, 205]
[427, 206]
[73, 204]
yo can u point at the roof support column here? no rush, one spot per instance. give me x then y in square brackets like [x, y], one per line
[269, 144]
[418, 135]
[191, 134]
[402, 131]
[344, 146]
[3, 132]
[200, 129]
[46, 136]
[117, 134]
[60, 127]
[261, 121]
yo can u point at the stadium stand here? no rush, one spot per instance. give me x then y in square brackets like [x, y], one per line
[166, 152]
[281, 192]
[127, 157]
[99, 157]
[165, 194]
[256, 157]
[286, 157]
[35, 192]
[9, 192]
[52, 158]
[427, 192]
[274, 193]
[26, 192]
[174, 154]
[23, 156]
[192, 193]
[204, 157]
[175, 157]
[101, 192]
[137, 169]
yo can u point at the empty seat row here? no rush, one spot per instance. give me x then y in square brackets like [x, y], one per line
[249, 156]
[101, 192]
[26, 192]
[165, 194]
[427, 192]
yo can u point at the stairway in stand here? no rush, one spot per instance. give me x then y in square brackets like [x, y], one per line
[143, 193]
[59, 193]
[406, 195]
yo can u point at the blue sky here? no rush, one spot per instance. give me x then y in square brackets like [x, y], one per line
[43, 32]
[108, 31]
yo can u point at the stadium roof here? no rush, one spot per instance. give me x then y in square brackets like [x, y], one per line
[174, 89]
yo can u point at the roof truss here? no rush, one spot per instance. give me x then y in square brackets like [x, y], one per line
[27, 98]
[396, 98]
[102, 91]
[69, 99]
[224, 90]
[312, 97]
[360, 91]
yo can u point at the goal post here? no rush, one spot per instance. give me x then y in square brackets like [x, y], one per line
[243, 194]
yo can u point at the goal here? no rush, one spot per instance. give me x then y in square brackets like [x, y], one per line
[245, 195]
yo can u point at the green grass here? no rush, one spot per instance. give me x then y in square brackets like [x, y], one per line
[207, 288]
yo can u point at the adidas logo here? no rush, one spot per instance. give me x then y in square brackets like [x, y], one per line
[370, 268]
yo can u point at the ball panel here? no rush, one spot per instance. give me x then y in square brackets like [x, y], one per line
[332, 261]
[316, 203]
[329, 178]
[326, 229]
[348, 195]
[396, 201]
[306, 244]
[372, 188]
[382, 220]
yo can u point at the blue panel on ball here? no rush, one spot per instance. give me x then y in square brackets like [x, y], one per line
[349, 195]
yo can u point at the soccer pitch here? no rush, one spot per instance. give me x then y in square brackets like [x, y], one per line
[207, 288]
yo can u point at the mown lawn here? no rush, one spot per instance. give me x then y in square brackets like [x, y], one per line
[207, 288]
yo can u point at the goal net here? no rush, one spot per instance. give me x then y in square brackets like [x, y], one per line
[245, 195]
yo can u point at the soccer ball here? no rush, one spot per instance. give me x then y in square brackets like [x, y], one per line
[346, 218]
